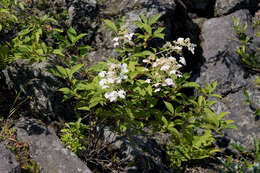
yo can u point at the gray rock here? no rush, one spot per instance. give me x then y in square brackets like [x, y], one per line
[173, 16]
[222, 63]
[41, 86]
[47, 150]
[144, 151]
[241, 112]
[223, 7]
[82, 17]
[8, 163]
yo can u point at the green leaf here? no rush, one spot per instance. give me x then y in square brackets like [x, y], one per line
[78, 38]
[164, 120]
[71, 34]
[62, 70]
[154, 19]
[76, 67]
[110, 25]
[84, 108]
[144, 19]
[149, 90]
[98, 67]
[148, 29]
[169, 106]
[58, 52]
[201, 100]
[191, 85]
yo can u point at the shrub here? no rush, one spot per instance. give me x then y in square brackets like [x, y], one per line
[145, 87]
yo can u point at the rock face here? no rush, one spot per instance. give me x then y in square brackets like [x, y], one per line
[47, 150]
[8, 163]
[145, 152]
[242, 114]
[222, 64]
[41, 86]
[223, 7]
[173, 14]
[221, 61]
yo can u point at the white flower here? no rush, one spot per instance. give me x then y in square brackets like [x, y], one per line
[147, 81]
[173, 72]
[191, 47]
[178, 48]
[172, 59]
[179, 65]
[103, 82]
[116, 44]
[155, 64]
[122, 76]
[182, 60]
[169, 82]
[118, 81]
[102, 74]
[165, 67]
[105, 86]
[111, 96]
[181, 41]
[121, 94]
[110, 80]
[129, 36]
[116, 39]
[123, 68]
[157, 85]
[157, 90]
[179, 75]
[145, 60]
[113, 66]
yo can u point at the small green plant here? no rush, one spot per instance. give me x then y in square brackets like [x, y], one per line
[8, 13]
[73, 135]
[247, 161]
[249, 59]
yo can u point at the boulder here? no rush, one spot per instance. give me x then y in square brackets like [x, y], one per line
[8, 163]
[47, 150]
[144, 154]
[224, 7]
[34, 81]
[100, 37]
[222, 63]
[241, 112]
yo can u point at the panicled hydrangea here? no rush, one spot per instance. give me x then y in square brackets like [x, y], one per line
[126, 38]
[164, 68]
[115, 75]
[185, 43]
[114, 95]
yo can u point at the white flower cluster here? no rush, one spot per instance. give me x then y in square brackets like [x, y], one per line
[164, 68]
[113, 95]
[186, 43]
[115, 74]
[126, 38]
[169, 65]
